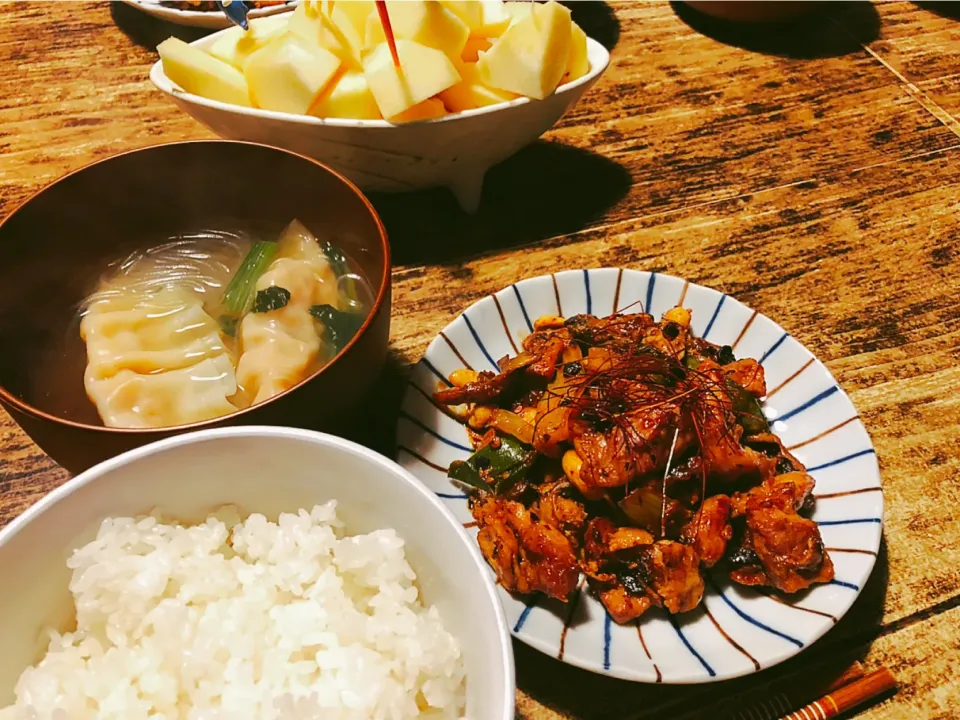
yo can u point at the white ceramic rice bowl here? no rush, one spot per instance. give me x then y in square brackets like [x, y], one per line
[265, 470]
[453, 151]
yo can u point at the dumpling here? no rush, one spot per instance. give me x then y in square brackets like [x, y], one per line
[148, 333]
[280, 347]
[176, 397]
[155, 359]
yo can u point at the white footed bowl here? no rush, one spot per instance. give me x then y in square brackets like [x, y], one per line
[265, 470]
[454, 151]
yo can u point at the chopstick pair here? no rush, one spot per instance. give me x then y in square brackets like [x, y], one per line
[853, 688]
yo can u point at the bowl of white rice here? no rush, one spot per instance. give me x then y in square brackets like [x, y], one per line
[261, 573]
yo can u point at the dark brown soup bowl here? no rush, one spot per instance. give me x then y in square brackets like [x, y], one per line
[55, 246]
[753, 11]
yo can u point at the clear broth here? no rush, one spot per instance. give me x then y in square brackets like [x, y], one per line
[58, 379]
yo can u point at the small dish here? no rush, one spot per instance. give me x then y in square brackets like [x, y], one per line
[454, 151]
[101, 212]
[210, 19]
[268, 471]
[735, 631]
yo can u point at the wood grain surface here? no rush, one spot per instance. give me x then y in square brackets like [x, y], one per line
[812, 171]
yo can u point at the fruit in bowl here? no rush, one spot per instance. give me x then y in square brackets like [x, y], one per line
[477, 81]
[428, 59]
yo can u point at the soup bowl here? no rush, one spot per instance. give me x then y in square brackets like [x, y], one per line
[454, 151]
[55, 246]
[259, 470]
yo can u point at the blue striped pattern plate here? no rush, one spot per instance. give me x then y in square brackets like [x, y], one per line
[736, 630]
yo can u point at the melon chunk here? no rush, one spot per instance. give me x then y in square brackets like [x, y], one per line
[475, 45]
[289, 73]
[469, 11]
[531, 56]
[494, 19]
[237, 44]
[425, 22]
[578, 64]
[202, 74]
[334, 32]
[426, 110]
[423, 73]
[518, 10]
[357, 12]
[471, 93]
[349, 98]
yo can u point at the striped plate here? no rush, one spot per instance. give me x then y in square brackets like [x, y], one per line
[736, 630]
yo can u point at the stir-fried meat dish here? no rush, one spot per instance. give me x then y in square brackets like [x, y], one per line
[634, 454]
[210, 5]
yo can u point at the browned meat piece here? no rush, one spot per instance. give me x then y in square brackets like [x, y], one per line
[631, 573]
[618, 332]
[669, 338]
[726, 458]
[781, 549]
[710, 529]
[622, 605]
[789, 492]
[563, 513]
[771, 446]
[675, 572]
[720, 436]
[639, 444]
[748, 374]
[528, 556]
[485, 389]
[611, 561]
[546, 346]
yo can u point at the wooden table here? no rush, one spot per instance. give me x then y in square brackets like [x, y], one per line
[812, 173]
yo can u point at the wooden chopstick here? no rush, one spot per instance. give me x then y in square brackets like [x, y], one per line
[854, 672]
[847, 697]
[780, 701]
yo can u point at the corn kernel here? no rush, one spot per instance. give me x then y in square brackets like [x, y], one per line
[679, 315]
[548, 322]
[462, 377]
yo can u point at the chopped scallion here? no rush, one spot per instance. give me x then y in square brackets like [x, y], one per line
[239, 293]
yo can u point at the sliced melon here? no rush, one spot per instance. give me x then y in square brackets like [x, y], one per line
[349, 98]
[423, 73]
[578, 64]
[427, 110]
[202, 74]
[425, 22]
[531, 56]
[235, 45]
[471, 93]
[289, 73]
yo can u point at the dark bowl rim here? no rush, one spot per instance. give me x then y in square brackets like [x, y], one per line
[384, 286]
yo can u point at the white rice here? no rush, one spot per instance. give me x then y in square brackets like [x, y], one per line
[254, 619]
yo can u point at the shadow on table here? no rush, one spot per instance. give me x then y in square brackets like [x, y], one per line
[148, 31]
[817, 35]
[545, 190]
[376, 423]
[590, 696]
[597, 20]
[946, 9]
